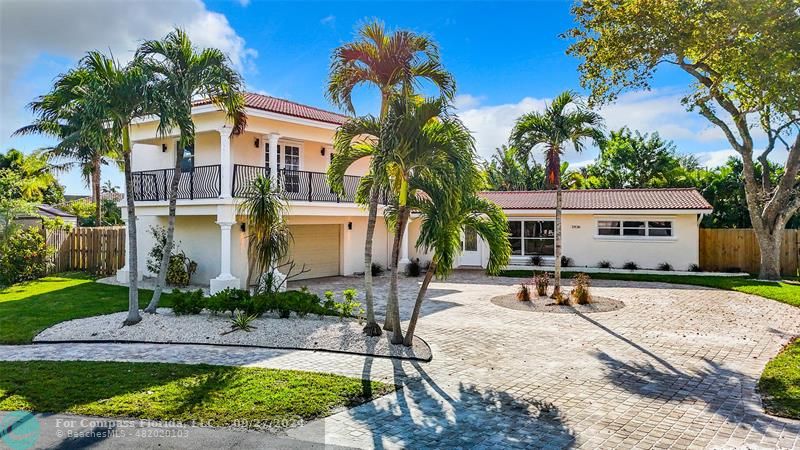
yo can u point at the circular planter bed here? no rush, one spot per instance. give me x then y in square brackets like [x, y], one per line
[546, 305]
[308, 333]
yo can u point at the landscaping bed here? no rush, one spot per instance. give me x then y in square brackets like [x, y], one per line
[546, 305]
[780, 383]
[265, 399]
[270, 331]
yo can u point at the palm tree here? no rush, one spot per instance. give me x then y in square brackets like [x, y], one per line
[446, 211]
[180, 75]
[566, 120]
[108, 93]
[34, 170]
[394, 63]
[84, 147]
[268, 234]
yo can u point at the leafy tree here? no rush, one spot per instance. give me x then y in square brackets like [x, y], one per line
[36, 182]
[635, 160]
[507, 171]
[395, 63]
[565, 121]
[180, 74]
[742, 57]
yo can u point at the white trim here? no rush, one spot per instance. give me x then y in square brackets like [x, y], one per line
[645, 238]
[202, 109]
[626, 212]
[575, 269]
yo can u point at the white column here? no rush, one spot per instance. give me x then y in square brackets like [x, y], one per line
[225, 161]
[123, 274]
[404, 261]
[273, 157]
[225, 279]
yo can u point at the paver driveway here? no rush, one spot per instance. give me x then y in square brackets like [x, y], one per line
[675, 368]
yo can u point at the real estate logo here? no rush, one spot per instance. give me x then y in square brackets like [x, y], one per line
[19, 430]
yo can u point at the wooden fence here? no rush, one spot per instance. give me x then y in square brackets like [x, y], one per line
[727, 249]
[98, 250]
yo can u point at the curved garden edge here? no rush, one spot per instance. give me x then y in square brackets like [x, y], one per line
[323, 333]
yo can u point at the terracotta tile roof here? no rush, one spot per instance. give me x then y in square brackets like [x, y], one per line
[289, 108]
[601, 199]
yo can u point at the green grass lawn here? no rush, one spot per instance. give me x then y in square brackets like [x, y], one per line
[782, 292]
[28, 308]
[780, 383]
[179, 392]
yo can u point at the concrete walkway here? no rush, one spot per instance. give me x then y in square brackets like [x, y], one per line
[676, 368]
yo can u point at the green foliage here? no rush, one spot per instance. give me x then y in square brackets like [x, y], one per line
[243, 322]
[23, 256]
[604, 264]
[665, 266]
[230, 300]
[35, 181]
[580, 289]
[566, 261]
[536, 260]
[84, 209]
[695, 268]
[268, 234]
[413, 268]
[508, 170]
[780, 382]
[330, 303]
[187, 302]
[630, 265]
[180, 268]
[377, 269]
[349, 306]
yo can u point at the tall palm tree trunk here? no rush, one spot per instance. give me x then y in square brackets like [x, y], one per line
[372, 328]
[393, 305]
[557, 275]
[167, 251]
[133, 255]
[98, 203]
[408, 341]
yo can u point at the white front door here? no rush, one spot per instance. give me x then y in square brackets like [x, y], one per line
[470, 250]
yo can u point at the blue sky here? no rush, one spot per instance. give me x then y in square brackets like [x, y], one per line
[507, 58]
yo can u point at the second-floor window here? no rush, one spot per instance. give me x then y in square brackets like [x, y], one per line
[288, 157]
[187, 157]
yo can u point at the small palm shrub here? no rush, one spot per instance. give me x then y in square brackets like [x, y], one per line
[580, 289]
[413, 269]
[187, 302]
[630, 265]
[542, 282]
[566, 261]
[377, 269]
[665, 266]
[536, 260]
[524, 293]
[243, 322]
[604, 264]
[695, 268]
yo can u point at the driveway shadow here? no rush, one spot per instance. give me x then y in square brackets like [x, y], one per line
[425, 415]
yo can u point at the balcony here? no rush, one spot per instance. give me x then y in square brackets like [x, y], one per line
[297, 184]
[154, 185]
[204, 182]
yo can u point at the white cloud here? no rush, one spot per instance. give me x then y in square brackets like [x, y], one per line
[244, 2]
[491, 125]
[466, 101]
[329, 20]
[33, 31]
[715, 158]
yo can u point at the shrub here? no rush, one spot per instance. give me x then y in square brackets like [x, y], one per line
[536, 260]
[180, 269]
[349, 305]
[413, 269]
[541, 281]
[243, 322]
[695, 268]
[630, 265]
[299, 302]
[524, 293]
[604, 264]
[665, 266]
[187, 302]
[231, 300]
[580, 289]
[377, 269]
[23, 256]
[330, 303]
[566, 261]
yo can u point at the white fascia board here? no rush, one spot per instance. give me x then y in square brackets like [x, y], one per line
[250, 112]
[620, 212]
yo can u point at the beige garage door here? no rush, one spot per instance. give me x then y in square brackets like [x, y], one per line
[316, 246]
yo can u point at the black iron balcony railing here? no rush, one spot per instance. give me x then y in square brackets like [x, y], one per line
[154, 185]
[297, 184]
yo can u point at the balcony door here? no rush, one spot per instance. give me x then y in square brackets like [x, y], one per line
[288, 166]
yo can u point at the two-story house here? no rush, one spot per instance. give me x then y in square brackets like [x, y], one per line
[292, 144]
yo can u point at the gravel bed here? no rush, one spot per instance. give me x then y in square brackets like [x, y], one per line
[309, 333]
[545, 304]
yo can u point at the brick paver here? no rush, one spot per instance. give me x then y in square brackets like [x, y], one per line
[676, 368]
